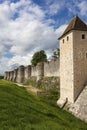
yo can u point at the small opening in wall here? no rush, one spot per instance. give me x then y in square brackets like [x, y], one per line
[67, 38]
[63, 40]
[66, 99]
[86, 55]
[83, 36]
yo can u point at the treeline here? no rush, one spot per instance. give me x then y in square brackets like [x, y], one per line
[1, 77]
[41, 56]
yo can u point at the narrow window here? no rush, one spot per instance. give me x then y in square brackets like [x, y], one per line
[80, 55]
[63, 40]
[83, 36]
[86, 55]
[67, 38]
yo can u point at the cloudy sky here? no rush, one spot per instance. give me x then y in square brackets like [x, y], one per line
[27, 26]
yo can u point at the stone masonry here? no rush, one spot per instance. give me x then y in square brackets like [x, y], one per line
[15, 75]
[79, 108]
[73, 60]
[41, 70]
[73, 68]
[5, 75]
[27, 72]
[20, 74]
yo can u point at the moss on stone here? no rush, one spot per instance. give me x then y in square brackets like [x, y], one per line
[47, 83]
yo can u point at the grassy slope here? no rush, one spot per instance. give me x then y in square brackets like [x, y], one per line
[20, 110]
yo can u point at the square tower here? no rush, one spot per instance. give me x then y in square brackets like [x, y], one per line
[73, 61]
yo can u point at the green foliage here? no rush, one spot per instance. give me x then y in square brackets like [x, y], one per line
[39, 56]
[1, 77]
[31, 81]
[20, 110]
[56, 53]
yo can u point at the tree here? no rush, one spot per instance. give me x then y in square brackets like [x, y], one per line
[39, 56]
[56, 53]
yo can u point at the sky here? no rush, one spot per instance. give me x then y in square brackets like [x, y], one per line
[28, 26]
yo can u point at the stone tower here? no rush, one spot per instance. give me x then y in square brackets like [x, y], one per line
[20, 74]
[27, 72]
[15, 75]
[11, 75]
[5, 75]
[40, 70]
[73, 61]
[8, 75]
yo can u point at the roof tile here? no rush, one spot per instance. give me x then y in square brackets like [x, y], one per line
[75, 24]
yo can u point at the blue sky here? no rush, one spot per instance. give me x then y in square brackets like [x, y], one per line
[27, 26]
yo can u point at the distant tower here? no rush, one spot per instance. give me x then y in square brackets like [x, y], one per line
[15, 75]
[73, 61]
[5, 75]
[20, 74]
[27, 72]
[40, 70]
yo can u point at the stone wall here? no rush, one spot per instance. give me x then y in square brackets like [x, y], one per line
[5, 75]
[33, 71]
[40, 71]
[20, 74]
[27, 72]
[15, 75]
[8, 76]
[11, 75]
[49, 69]
[66, 69]
[51, 84]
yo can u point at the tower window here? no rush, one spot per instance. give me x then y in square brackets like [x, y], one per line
[86, 55]
[83, 36]
[63, 40]
[67, 38]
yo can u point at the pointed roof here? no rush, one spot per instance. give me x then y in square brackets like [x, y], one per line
[75, 24]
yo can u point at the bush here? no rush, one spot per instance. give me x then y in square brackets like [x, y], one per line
[1, 77]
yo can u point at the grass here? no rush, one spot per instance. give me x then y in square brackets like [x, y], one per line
[20, 110]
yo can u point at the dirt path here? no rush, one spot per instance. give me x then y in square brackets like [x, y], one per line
[32, 89]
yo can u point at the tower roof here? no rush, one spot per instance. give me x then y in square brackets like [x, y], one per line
[75, 24]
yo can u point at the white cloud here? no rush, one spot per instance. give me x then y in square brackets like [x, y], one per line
[3, 64]
[47, 42]
[24, 30]
[61, 29]
[20, 60]
[53, 7]
[83, 7]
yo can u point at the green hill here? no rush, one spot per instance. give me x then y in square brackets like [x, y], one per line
[20, 110]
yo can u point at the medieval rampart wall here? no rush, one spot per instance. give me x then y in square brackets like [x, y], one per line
[43, 69]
